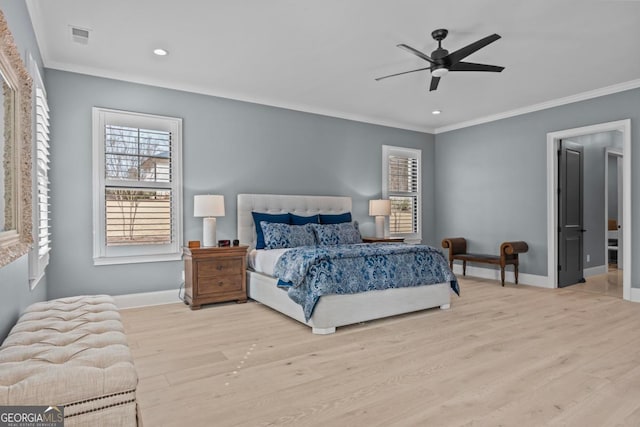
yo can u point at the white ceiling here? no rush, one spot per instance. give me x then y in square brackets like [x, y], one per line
[322, 56]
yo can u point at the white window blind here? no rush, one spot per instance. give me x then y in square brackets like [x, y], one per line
[39, 255]
[137, 210]
[137, 215]
[401, 185]
[42, 173]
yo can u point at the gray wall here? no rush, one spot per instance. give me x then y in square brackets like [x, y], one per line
[491, 178]
[15, 293]
[229, 147]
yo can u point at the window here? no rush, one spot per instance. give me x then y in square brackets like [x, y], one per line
[401, 184]
[39, 255]
[137, 187]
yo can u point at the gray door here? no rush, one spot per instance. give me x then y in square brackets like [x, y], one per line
[570, 215]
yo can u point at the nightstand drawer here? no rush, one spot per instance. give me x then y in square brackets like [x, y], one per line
[219, 284]
[219, 267]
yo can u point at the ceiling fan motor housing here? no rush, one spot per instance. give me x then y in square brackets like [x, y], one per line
[441, 67]
[439, 54]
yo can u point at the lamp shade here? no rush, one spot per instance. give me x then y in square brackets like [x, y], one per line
[380, 207]
[208, 205]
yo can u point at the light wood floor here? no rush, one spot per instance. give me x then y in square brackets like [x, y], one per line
[609, 283]
[512, 356]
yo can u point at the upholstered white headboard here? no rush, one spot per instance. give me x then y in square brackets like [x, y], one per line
[274, 203]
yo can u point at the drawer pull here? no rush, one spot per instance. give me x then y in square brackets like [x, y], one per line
[219, 268]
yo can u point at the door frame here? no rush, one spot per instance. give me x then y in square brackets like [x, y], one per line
[618, 154]
[553, 138]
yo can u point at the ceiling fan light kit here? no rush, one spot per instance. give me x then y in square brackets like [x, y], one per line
[439, 72]
[442, 61]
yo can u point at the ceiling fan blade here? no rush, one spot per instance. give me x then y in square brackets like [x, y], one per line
[399, 74]
[470, 66]
[460, 54]
[434, 83]
[416, 53]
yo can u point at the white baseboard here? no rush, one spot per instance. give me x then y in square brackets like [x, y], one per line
[509, 277]
[531, 279]
[595, 271]
[146, 299]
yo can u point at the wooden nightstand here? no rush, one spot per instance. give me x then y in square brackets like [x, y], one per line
[215, 275]
[383, 239]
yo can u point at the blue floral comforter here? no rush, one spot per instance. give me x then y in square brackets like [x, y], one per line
[312, 271]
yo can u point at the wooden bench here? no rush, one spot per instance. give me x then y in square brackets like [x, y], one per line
[508, 255]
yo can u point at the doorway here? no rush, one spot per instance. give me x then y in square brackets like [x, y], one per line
[553, 144]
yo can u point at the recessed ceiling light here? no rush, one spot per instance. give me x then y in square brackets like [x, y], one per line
[160, 52]
[436, 112]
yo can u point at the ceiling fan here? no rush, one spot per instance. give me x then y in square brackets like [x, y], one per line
[442, 61]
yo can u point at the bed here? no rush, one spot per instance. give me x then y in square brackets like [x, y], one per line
[333, 310]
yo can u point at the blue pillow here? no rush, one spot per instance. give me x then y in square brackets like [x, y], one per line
[337, 234]
[278, 236]
[258, 216]
[335, 219]
[302, 220]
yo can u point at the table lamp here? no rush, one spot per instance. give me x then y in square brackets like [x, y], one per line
[208, 206]
[379, 208]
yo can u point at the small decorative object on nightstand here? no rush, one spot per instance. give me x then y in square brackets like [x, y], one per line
[215, 275]
[208, 206]
[380, 209]
[383, 239]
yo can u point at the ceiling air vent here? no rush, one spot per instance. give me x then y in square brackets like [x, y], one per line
[80, 35]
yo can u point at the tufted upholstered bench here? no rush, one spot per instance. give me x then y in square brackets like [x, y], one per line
[72, 352]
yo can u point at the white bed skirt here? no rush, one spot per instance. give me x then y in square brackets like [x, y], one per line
[339, 310]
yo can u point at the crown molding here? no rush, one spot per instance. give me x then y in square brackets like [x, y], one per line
[234, 96]
[607, 90]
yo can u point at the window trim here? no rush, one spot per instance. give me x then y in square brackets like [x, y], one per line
[387, 151]
[103, 255]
